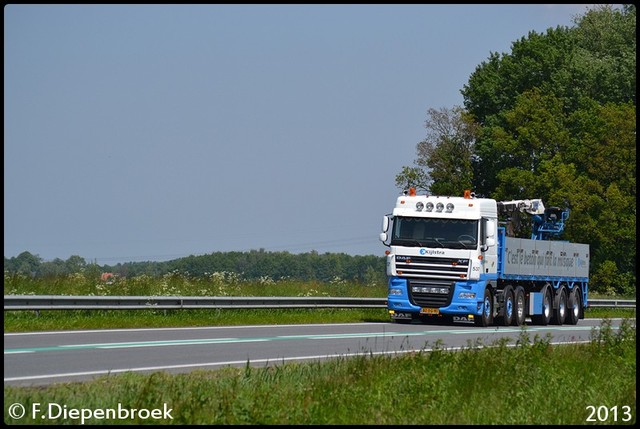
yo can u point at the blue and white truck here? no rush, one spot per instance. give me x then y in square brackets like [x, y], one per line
[455, 258]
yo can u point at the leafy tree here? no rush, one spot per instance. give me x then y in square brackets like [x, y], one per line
[412, 177]
[555, 120]
[55, 268]
[571, 139]
[596, 60]
[605, 57]
[24, 263]
[75, 264]
[445, 155]
[534, 132]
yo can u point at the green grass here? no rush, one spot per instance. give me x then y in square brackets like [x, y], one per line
[23, 321]
[531, 382]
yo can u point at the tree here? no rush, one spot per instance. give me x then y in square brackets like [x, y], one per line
[444, 161]
[605, 60]
[557, 119]
[534, 62]
[554, 119]
[412, 177]
[595, 60]
[510, 156]
[75, 264]
[26, 263]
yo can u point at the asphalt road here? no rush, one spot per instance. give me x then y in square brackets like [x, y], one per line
[41, 358]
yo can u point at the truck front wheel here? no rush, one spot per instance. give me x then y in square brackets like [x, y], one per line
[486, 318]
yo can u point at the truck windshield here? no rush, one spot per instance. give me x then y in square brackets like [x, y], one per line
[429, 232]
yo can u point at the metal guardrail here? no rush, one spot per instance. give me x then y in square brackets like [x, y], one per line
[612, 303]
[67, 302]
[62, 302]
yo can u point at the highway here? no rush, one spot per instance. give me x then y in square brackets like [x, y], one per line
[41, 358]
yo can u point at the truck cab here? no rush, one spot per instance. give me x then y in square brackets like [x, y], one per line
[442, 252]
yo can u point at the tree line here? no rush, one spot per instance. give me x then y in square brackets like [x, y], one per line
[252, 265]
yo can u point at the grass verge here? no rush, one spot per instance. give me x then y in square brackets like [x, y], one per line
[530, 382]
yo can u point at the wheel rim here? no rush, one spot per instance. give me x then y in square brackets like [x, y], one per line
[487, 307]
[520, 307]
[562, 309]
[547, 307]
[509, 308]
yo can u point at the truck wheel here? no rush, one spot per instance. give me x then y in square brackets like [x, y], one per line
[544, 318]
[560, 313]
[519, 313]
[486, 318]
[574, 306]
[509, 307]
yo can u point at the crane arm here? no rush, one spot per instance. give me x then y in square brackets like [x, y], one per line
[533, 207]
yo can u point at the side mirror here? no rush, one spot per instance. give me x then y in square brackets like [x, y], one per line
[383, 236]
[490, 234]
[385, 224]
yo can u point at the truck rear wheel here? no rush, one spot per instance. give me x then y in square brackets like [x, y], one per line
[574, 306]
[509, 307]
[560, 312]
[547, 307]
[519, 312]
[486, 318]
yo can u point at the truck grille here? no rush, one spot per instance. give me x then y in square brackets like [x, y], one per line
[430, 293]
[432, 268]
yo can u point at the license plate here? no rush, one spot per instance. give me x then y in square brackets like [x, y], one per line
[429, 311]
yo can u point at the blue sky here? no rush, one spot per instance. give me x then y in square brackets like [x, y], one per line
[153, 132]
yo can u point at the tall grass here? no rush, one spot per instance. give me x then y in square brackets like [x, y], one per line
[530, 382]
[180, 284]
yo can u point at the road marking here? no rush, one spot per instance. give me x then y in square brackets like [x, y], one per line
[205, 341]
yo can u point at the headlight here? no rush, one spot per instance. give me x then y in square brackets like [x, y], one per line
[429, 206]
[419, 206]
[467, 295]
[449, 207]
[394, 291]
